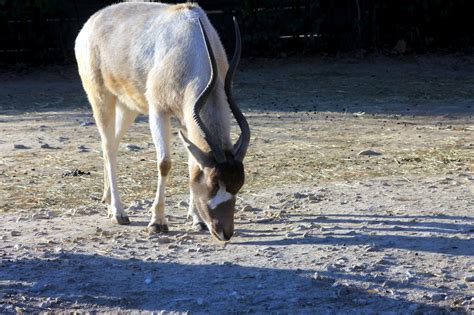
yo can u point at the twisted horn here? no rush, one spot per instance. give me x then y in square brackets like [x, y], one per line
[240, 147]
[201, 101]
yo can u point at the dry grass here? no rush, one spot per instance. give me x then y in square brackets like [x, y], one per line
[286, 149]
[312, 146]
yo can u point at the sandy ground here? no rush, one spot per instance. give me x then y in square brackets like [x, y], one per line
[320, 226]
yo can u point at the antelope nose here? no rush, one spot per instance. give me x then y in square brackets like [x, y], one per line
[225, 235]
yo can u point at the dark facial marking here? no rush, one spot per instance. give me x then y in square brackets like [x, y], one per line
[232, 174]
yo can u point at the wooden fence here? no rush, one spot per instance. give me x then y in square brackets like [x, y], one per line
[44, 31]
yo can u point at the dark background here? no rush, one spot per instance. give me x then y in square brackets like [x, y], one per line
[43, 31]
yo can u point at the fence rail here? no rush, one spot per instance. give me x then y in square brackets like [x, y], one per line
[44, 31]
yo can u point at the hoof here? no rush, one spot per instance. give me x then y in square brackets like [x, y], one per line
[105, 200]
[158, 228]
[201, 227]
[121, 220]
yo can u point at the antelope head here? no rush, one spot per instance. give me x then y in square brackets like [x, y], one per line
[219, 175]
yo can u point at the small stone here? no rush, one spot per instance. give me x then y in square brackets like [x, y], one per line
[340, 263]
[247, 208]
[148, 279]
[15, 233]
[183, 203]
[317, 276]
[21, 147]
[76, 172]
[299, 195]
[369, 249]
[369, 153]
[410, 274]
[82, 148]
[301, 227]
[438, 297]
[47, 146]
[469, 278]
[357, 267]
[133, 148]
[316, 198]
[44, 304]
[87, 123]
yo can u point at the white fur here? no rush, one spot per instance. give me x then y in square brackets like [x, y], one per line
[151, 58]
[221, 196]
[160, 131]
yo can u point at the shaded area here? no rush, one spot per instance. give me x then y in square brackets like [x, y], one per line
[402, 232]
[406, 87]
[77, 281]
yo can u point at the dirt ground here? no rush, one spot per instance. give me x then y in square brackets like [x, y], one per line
[322, 225]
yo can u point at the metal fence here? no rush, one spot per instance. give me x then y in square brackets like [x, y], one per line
[43, 31]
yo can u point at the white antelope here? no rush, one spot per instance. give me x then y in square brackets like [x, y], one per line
[167, 60]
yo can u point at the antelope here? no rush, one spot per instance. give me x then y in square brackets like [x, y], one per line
[167, 60]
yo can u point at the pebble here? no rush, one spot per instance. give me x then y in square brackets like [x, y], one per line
[83, 148]
[340, 263]
[20, 147]
[369, 249]
[410, 274]
[317, 276]
[246, 208]
[298, 195]
[133, 148]
[148, 279]
[438, 297]
[134, 206]
[357, 267]
[316, 198]
[301, 227]
[44, 304]
[87, 123]
[369, 153]
[183, 203]
[15, 233]
[469, 278]
[47, 146]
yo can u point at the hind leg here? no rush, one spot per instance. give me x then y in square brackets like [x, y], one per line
[124, 117]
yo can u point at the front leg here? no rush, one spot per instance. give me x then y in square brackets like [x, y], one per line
[161, 134]
[198, 223]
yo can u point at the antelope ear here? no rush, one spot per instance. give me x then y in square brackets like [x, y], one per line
[204, 159]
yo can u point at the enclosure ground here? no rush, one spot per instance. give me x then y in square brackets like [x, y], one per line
[359, 196]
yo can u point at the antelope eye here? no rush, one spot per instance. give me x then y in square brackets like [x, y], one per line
[215, 188]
